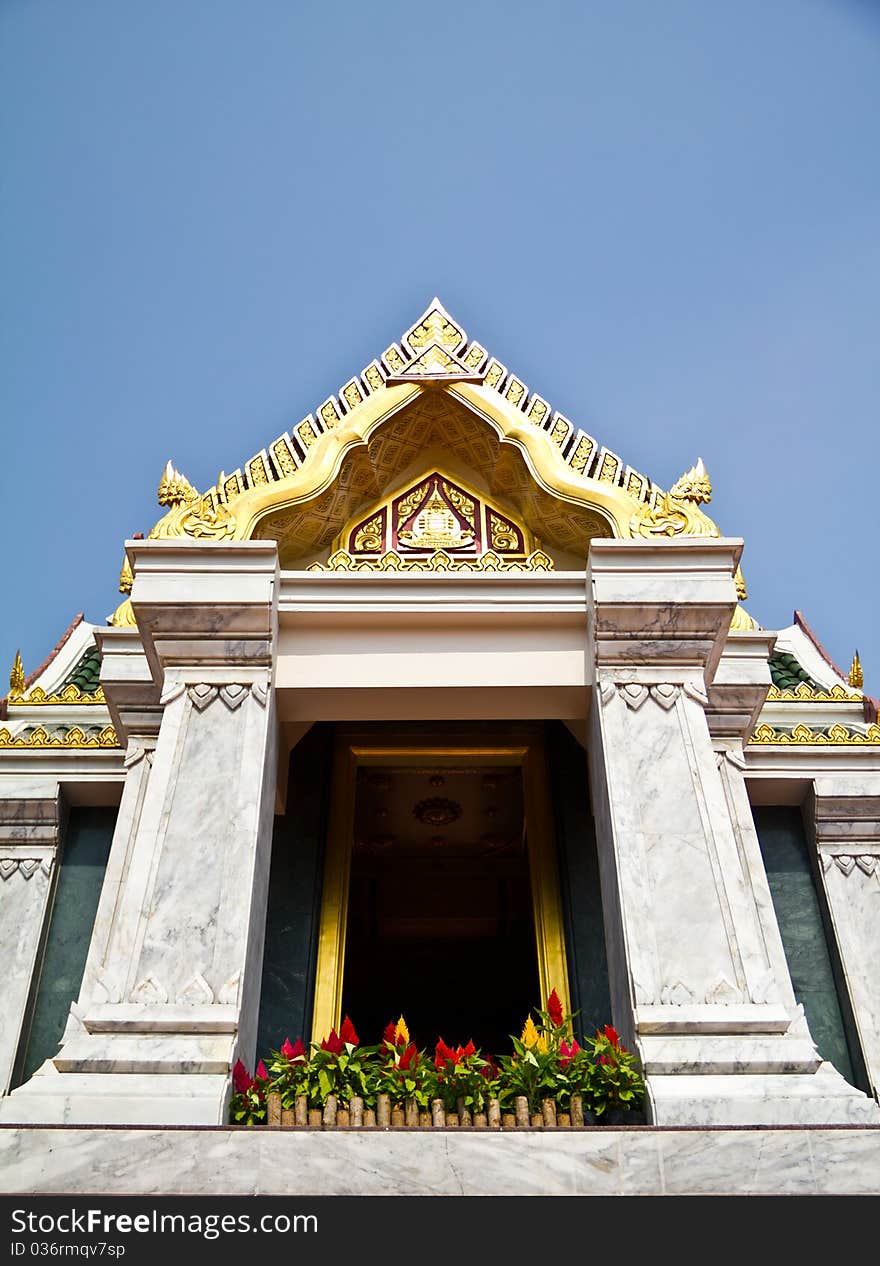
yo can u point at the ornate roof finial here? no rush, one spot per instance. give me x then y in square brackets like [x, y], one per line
[856, 676]
[694, 485]
[175, 489]
[126, 578]
[16, 678]
[740, 582]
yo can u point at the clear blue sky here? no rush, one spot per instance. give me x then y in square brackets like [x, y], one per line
[663, 216]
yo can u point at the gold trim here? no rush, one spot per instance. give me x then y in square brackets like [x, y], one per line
[71, 694]
[856, 675]
[16, 679]
[804, 735]
[537, 561]
[75, 737]
[354, 749]
[803, 692]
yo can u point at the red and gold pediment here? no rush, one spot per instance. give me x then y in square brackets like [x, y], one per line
[437, 512]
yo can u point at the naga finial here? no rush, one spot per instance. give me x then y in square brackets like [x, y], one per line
[694, 485]
[740, 582]
[16, 678]
[856, 676]
[126, 577]
[175, 489]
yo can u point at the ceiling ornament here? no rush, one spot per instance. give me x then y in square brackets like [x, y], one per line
[437, 811]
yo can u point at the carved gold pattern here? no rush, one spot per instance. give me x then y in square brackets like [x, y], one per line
[16, 678]
[856, 676]
[123, 616]
[374, 378]
[306, 433]
[609, 468]
[538, 411]
[515, 392]
[329, 414]
[393, 359]
[583, 451]
[435, 527]
[352, 394]
[474, 356]
[740, 581]
[231, 486]
[174, 488]
[283, 458]
[435, 362]
[804, 735]
[742, 622]
[559, 432]
[369, 537]
[412, 501]
[126, 579]
[669, 517]
[435, 328]
[803, 692]
[75, 737]
[537, 561]
[494, 374]
[694, 485]
[503, 535]
[462, 502]
[70, 694]
[257, 471]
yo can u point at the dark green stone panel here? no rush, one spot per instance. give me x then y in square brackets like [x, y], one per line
[87, 841]
[579, 879]
[799, 915]
[294, 908]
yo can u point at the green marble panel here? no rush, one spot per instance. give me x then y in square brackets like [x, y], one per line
[294, 906]
[579, 879]
[799, 915]
[86, 847]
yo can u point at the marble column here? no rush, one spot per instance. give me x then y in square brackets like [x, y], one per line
[171, 988]
[696, 989]
[845, 815]
[30, 820]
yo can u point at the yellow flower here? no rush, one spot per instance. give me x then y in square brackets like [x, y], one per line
[541, 1045]
[401, 1032]
[529, 1036]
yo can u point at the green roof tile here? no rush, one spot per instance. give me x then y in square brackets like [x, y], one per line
[86, 676]
[787, 673]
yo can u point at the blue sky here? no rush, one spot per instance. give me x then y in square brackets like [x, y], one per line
[663, 217]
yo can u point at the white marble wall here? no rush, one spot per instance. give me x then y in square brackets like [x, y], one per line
[29, 833]
[171, 988]
[592, 1162]
[699, 982]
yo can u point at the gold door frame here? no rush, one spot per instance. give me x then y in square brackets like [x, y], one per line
[521, 746]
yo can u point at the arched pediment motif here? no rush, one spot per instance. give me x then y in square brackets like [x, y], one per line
[436, 389]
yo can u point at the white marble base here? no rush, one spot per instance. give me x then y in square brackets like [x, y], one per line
[599, 1162]
[55, 1098]
[821, 1098]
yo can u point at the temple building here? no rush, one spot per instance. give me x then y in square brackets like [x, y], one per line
[433, 706]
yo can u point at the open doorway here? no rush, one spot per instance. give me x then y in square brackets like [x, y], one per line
[441, 890]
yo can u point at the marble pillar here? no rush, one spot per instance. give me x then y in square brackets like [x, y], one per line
[844, 812]
[171, 988]
[30, 820]
[696, 989]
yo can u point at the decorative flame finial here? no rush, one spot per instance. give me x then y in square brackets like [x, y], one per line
[126, 578]
[175, 489]
[740, 582]
[16, 678]
[694, 485]
[856, 676]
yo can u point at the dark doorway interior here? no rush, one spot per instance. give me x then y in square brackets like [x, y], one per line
[440, 924]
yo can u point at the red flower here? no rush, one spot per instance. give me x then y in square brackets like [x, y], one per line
[567, 1053]
[261, 1074]
[554, 1009]
[388, 1033]
[410, 1056]
[489, 1070]
[241, 1078]
[334, 1043]
[601, 1059]
[612, 1035]
[290, 1053]
[470, 1049]
[347, 1033]
[444, 1056]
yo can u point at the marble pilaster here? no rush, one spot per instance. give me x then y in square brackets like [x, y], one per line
[845, 816]
[699, 983]
[30, 822]
[171, 989]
